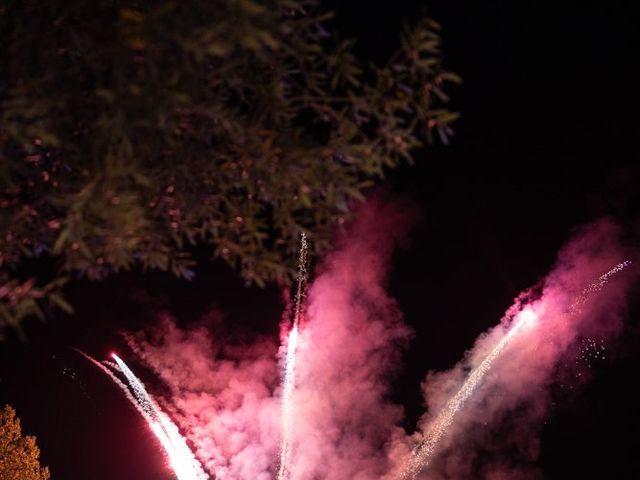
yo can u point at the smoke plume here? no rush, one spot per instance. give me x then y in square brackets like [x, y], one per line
[502, 419]
[226, 395]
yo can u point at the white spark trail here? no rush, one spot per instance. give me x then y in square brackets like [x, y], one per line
[181, 459]
[423, 453]
[287, 403]
[288, 381]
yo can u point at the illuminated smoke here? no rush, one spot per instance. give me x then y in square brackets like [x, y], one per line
[439, 427]
[424, 450]
[226, 392]
[348, 351]
[325, 412]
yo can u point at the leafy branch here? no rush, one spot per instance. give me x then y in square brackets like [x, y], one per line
[131, 132]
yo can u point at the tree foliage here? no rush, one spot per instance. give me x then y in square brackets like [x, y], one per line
[19, 456]
[130, 131]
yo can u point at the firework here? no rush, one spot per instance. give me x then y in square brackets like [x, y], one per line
[288, 379]
[180, 457]
[423, 453]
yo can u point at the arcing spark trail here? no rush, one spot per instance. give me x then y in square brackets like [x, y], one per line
[181, 459]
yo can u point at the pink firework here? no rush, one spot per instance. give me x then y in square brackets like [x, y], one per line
[180, 457]
[324, 412]
[288, 380]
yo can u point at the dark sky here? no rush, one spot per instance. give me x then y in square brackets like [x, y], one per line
[548, 140]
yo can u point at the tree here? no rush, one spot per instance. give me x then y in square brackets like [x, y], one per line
[19, 456]
[131, 131]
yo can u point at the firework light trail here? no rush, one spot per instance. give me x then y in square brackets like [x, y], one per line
[181, 459]
[596, 286]
[288, 380]
[424, 451]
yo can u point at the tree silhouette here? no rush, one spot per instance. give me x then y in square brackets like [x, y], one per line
[19, 456]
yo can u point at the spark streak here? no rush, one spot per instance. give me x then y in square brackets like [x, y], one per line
[288, 381]
[287, 403]
[181, 459]
[423, 452]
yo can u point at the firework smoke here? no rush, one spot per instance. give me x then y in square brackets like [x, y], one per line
[181, 459]
[568, 306]
[222, 393]
[425, 450]
[289, 377]
[228, 397]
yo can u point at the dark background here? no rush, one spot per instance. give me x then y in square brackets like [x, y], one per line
[548, 140]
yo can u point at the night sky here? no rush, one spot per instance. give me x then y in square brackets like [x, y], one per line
[548, 140]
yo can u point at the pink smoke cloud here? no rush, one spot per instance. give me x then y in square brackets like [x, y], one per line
[350, 344]
[221, 394]
[226, 396]
[505, 414]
